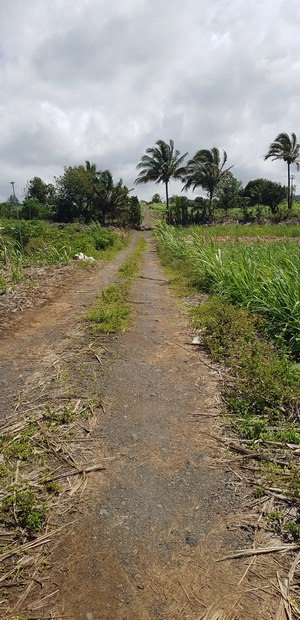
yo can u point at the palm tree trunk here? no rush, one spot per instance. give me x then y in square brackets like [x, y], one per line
[210, 207]
[167, 203]
[289, 187]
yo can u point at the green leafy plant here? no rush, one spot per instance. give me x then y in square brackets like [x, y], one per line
[25, 506]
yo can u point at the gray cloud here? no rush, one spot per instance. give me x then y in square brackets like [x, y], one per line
[102, 81]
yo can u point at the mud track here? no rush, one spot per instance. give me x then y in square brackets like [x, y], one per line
[151, 528]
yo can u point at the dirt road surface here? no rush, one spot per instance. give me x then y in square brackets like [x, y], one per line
[150, 529]
[36, 336]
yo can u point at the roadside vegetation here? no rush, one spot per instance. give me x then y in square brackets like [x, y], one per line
[248, 321]
[24, 243]
[262, 277]
[81, 194]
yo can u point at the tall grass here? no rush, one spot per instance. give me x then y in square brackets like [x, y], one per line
[241, 230]
[47, 244]
[263, 277]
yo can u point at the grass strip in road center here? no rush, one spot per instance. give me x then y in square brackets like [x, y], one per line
[111, 312]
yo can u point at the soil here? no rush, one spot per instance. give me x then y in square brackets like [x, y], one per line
[150, 530]
[34, 337]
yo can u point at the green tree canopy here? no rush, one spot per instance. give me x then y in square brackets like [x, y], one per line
[286, 148]
[264, 192]
[206, 170]
[229, 192]
[156, 198]
[161, 163]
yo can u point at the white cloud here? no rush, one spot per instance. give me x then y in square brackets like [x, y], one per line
[103, 81]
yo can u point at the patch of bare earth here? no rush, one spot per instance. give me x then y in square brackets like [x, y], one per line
[39, 284]
[143, 538]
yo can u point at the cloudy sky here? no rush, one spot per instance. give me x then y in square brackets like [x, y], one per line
[103, 80]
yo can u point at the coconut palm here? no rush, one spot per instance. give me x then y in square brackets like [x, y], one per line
[206, 170]
[286, 148]
[161, 163]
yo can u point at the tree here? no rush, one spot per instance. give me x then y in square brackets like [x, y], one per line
[199, 209]
[229, 192]
[74, 193]
[160, 164]
[156, 198]
[134, 212]
[264, 192]
[37, 189]
[286, 148]
[206, 170]
[179, 210]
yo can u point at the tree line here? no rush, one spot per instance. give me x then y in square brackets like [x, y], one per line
[208, 170]
[81, 193]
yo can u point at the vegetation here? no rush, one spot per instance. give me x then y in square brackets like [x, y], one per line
[262, 277]
[206, 170]
[81, 193]
[112, 311]
[264, 192]
[263, 393]
[23, 243]
[160, 164]
[225, 195]
[287, 149]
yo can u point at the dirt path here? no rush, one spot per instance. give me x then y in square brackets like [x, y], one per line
[150, 528]
[35, 338]
[156, 521]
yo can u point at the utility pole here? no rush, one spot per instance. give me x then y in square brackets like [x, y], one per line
[17, 209]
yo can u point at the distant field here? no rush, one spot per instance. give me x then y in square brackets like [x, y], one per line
[158, 208]
[241, 230]
[263, 277]
[259, 213]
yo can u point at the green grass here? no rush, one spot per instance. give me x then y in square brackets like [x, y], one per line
[48, 244]
[112, 311]
[262, 277]
[158, 207]
[266, 382]
[110, 314]
[241, 230]
[263, 394]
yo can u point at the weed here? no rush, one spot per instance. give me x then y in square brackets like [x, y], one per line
[274, 515]
[4, 471]
[52, 487]
[59, 417]
[22, 447]
[293, 529]
[26, 508]
[3, 284]
[259, 492]
[111, 313]
[48, 244]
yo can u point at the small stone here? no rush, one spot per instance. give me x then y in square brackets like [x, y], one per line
[191, 539]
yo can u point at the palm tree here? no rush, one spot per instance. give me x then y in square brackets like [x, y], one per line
[288, 149]
[161, 163]
[206, 170]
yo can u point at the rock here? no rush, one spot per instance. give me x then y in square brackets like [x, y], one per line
[82, 256]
